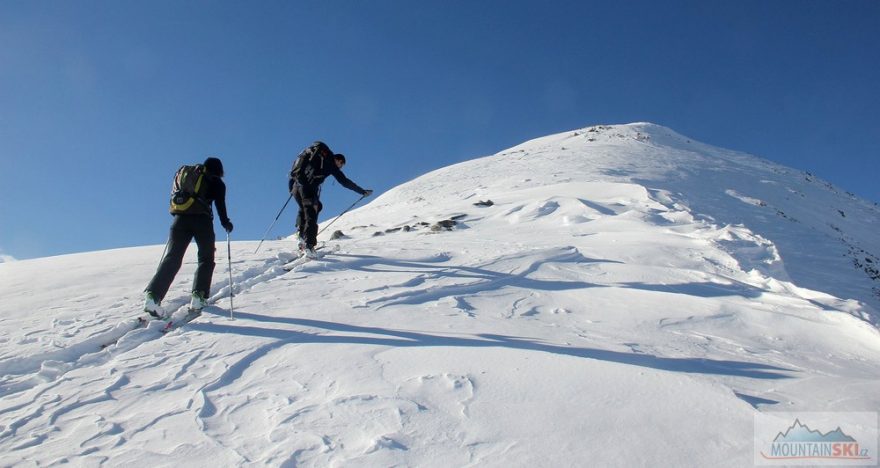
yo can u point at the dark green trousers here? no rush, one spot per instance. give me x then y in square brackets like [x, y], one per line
[184, 229]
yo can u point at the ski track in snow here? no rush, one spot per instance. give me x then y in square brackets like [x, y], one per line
[53, 365]
[442, 340]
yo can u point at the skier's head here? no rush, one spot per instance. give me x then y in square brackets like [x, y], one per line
[339, 159]
[214, 166]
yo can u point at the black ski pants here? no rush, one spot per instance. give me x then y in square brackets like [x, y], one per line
[183, 229]
[309, 208]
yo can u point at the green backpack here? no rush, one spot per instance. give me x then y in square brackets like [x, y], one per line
[188, 191]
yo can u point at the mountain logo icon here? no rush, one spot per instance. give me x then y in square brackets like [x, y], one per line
[799, 432]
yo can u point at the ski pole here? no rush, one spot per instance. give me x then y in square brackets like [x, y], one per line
[340, 214]
[229, 256]
[273, 223]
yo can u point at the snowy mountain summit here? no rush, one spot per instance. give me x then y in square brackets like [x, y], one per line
[763, 223]
[610, 296]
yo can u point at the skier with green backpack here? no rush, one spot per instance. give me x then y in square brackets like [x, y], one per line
[194, 188]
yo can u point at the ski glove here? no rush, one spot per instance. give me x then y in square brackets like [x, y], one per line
[227, 225]
[367, 193]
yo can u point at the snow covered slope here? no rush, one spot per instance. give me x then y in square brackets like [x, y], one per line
[787, 225]
[611, 296]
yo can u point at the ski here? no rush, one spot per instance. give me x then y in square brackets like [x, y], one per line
[191, 314]
[140, 322]
[294, 264]
[303, 259]
[144, 322]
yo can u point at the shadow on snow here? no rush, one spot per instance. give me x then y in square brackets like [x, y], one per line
[352, 334]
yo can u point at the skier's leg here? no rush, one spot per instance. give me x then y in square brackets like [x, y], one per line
[203, 228]
[311, 215]
[311, 206]
[178, 240]
[300, 216]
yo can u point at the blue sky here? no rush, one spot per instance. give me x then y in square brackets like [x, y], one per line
[101, 101]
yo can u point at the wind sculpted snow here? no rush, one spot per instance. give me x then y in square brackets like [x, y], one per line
[628, 296]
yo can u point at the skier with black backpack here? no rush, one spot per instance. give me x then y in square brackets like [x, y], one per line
[194, 188]
[310, 168]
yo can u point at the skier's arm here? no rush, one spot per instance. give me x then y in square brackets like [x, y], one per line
[220, 202]
[346, 182]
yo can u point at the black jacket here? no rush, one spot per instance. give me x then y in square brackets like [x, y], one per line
[216, 193]
[314, 174]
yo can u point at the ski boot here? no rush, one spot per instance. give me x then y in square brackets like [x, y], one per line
[152, 307]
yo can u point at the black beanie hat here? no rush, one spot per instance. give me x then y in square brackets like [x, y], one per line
[339, 156]
[214, 166]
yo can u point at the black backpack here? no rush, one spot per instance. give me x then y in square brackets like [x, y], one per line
[188, 191]
[309, 158]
